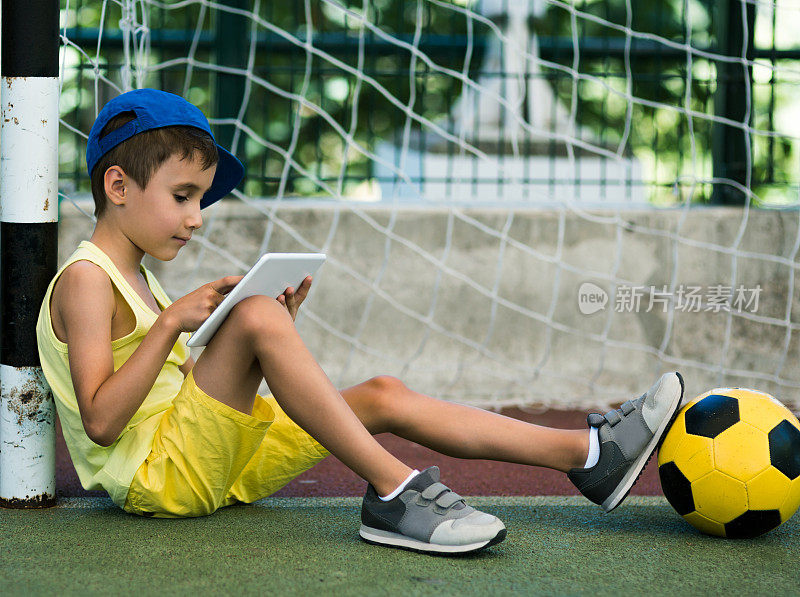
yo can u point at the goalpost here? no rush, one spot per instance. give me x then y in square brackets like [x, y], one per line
[541, 203]
[28, 246]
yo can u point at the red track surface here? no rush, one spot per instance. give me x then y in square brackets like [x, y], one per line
[467, 477]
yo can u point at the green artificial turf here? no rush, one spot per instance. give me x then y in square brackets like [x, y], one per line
[310, 546]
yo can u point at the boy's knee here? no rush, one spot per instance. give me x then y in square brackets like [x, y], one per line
[386, 385]
[386, 397]
[261, 315]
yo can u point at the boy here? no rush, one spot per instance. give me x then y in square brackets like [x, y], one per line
[170, 438]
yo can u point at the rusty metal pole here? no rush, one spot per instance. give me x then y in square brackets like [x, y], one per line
[28, 246]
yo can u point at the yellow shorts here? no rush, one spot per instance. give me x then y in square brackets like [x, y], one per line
[207, 455]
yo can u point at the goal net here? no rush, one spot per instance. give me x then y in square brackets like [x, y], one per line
[538, 203]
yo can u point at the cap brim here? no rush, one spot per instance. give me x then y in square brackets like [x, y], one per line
[230, 172]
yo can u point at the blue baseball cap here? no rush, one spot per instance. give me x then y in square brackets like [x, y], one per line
[155, 109]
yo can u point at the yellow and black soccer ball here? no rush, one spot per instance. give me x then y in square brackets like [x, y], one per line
[730, 463]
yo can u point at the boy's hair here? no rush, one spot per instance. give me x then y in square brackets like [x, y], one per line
[144, 153]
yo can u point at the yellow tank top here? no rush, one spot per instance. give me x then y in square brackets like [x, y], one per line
[111, 468]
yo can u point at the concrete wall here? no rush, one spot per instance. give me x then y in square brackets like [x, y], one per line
[480, 305]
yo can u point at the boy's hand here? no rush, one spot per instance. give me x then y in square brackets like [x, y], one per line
[189, 312]
[292, 300]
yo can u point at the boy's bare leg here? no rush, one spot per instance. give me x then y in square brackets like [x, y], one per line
[258, 341]
[464, 431]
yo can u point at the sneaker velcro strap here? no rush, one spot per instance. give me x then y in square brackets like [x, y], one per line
[612, 417]
[448, 499]
[628, 407]
[433, 490]
[595, 420]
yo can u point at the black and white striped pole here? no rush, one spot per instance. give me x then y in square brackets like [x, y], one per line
[28, 245]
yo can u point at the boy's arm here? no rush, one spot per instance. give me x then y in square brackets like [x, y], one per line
[291, 301]
[107, 400]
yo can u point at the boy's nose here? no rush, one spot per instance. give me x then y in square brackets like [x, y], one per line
[196, 220]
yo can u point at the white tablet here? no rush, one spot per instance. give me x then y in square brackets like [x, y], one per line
[270, 276]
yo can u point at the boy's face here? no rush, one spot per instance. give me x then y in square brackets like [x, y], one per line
[168, 209]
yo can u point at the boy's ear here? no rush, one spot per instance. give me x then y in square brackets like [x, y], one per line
[114, 183]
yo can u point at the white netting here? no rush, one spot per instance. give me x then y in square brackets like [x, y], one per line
[481, 174]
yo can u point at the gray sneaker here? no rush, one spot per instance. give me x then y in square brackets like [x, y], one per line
[428, 517]
[628, 437]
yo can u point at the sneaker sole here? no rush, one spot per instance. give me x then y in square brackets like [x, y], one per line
[389, 539]
[629, 480]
